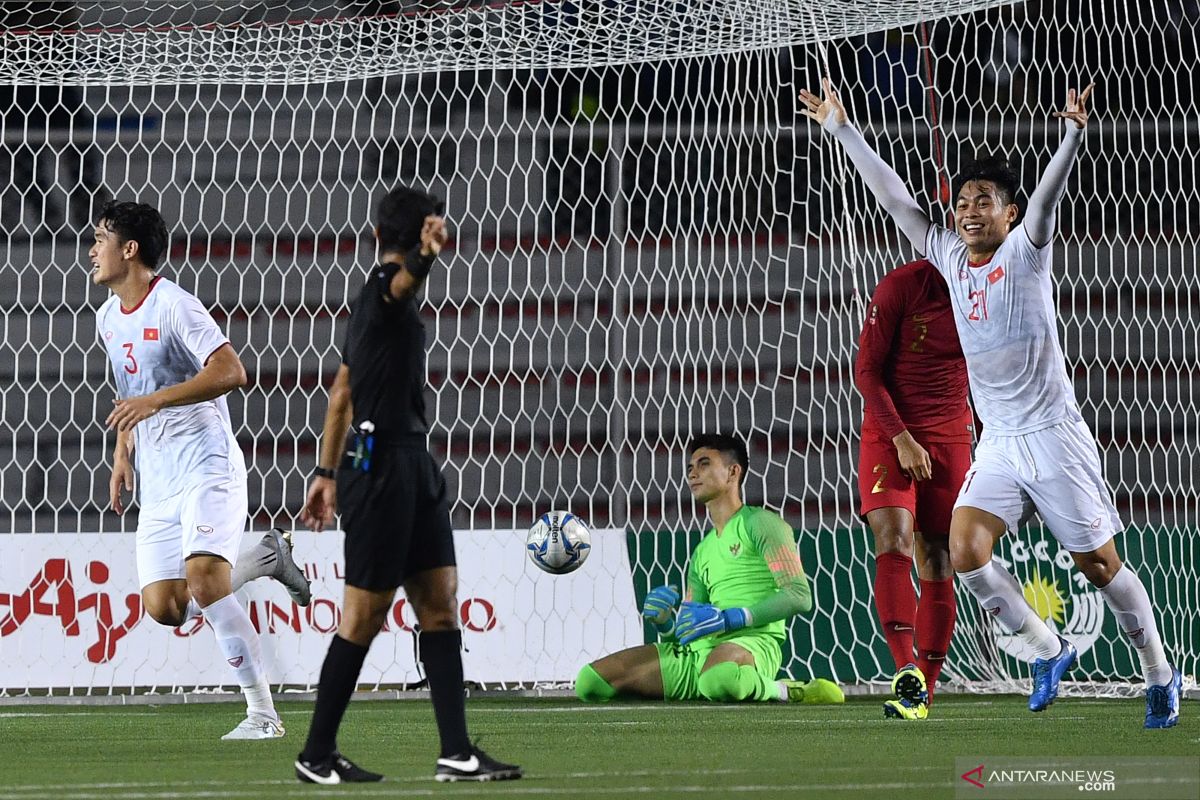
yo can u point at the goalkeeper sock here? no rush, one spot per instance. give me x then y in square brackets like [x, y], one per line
[1000, 595]
[935, 625]
[1127, 597]
[441, 653]
[590, 687]
[896, 604]
[339, 676]
[728, 682]
[239, 642]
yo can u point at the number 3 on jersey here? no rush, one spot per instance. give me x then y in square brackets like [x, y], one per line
[132, 366]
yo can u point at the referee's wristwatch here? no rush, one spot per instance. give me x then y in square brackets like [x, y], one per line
[325, 472]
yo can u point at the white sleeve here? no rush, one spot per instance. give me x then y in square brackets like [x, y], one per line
[940, 246]
[1040, 217]
[883, 182]
[195, 328]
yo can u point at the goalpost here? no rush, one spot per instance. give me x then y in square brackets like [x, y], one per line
[648, 242]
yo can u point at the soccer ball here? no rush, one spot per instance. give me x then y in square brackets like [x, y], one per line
[559, 542]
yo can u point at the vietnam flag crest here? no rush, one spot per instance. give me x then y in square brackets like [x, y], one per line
[150, 334]
[995, 274]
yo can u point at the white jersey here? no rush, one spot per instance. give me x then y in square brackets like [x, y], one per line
[1005, 315]
[162, 341]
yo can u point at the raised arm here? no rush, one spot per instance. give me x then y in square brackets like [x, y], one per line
[404, 281]
[1041, 216]
[880, 178]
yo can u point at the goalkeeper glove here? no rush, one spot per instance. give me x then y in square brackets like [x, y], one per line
[700, 619]
[659, 608]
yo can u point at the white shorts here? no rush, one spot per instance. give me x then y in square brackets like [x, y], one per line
[1055, 471]
[208, 516]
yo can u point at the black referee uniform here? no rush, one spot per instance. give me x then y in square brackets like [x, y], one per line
[393, 501]
[391, 493]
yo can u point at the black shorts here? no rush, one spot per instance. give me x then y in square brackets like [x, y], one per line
[396, 518]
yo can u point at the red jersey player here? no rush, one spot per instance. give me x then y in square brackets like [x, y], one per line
[916, 447]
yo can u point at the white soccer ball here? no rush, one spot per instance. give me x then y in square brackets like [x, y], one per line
[559, 542]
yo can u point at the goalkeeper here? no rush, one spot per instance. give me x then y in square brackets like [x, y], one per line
[745, 581]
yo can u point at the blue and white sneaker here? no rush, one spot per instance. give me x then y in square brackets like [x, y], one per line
[1162, 702]
[1047, 672]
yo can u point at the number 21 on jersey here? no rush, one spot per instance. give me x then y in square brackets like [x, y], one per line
[979, 309]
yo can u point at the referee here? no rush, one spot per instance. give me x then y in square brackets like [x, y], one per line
[394, 507]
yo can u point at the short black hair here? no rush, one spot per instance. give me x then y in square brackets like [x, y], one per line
[991, 168]
[402, 213]
[137, 222]
[731, 448]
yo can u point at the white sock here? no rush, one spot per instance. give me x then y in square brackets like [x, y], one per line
[1127, 598]
[239, 642]
[192, 611]
[781, 687]
[253, 562]
[1000, 595]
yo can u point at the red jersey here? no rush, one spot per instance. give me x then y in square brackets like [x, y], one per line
[910, 368]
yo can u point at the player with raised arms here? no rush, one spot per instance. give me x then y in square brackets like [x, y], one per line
[916, 447]
[744, 582]
[1036, 451]
[173, 367]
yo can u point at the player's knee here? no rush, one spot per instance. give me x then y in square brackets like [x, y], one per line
[590, 686]
[361, 629]
[1098, 571]
[164, 613]
[721, 683]
[968, 553]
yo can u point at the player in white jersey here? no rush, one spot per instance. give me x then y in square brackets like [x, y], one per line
[173, 366]
[1036, 452]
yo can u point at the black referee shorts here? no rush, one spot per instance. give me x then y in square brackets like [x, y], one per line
[396, 518]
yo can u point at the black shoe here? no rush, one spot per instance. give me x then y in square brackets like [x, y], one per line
[334, 768]
[474, 765]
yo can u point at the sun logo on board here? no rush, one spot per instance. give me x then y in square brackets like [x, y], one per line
[1043, 596]
[1058, 592]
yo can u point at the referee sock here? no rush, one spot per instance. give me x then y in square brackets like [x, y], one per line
[441, 653]
[1000, 595]
[1128, 599]
[239, 642]
[339, 676]
[896, 603]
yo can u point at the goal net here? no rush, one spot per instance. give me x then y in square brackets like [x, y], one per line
[649, 242]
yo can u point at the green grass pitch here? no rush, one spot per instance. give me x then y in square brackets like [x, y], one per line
[656, 750]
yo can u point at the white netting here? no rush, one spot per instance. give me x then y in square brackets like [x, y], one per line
[109, 43]
[648, 243]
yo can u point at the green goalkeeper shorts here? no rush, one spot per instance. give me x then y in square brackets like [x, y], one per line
[681, 664]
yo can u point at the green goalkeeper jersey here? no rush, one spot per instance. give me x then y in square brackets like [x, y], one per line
[733, 569]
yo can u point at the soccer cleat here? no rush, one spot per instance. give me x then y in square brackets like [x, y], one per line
[256, 727]
[474, 765]
[1047, 672]
[909, 684]
[904, 708]
[333, 769]
[1162, 702]
[818, 691]
[287, 571]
